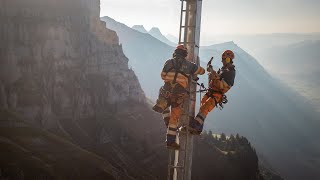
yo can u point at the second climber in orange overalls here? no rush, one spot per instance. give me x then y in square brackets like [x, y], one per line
[219, 83]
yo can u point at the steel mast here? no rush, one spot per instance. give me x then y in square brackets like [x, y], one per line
[189, 36]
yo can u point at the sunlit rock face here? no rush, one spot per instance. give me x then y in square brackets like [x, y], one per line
[59, 60]
[63, 71]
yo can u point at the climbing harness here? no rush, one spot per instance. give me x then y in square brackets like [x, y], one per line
[210, 92]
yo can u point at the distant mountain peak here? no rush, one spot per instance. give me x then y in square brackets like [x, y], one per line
[140, 28]
[225, 45]
[155, 30]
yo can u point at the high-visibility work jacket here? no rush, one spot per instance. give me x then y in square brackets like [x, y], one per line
[223, 80]
[183, 68]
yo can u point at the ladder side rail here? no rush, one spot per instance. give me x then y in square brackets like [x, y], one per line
[169, 166]
[182, 40]
[181, 17]
[198, 30]
[189, 35]
[176, 153]
[186, 26]
[193, 86]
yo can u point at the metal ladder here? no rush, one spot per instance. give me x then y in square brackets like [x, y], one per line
[189, 36]
[173, 165]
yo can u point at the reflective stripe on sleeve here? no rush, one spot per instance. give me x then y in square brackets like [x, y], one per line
[181, 79]
[200, 70]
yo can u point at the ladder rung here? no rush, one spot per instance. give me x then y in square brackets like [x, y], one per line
[171, 166]
[182, 150]
[187, 42]
[186, 26]
[185, 10]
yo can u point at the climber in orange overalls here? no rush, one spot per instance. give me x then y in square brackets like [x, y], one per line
[219, 83]
[175, 73]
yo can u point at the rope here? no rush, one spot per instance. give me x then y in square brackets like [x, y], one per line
[200, 96]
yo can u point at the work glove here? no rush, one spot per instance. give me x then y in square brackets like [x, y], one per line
[209, 68]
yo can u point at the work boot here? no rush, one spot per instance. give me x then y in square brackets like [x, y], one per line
[171, 142]
[157, 109]
[195, 127]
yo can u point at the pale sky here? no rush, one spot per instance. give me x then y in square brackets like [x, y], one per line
[220, 16]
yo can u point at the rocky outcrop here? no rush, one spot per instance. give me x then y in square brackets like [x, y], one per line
[62, 70]
[59, 61]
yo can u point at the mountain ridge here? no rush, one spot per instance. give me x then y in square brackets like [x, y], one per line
[155, 32]
[139, 28]
[258, 105]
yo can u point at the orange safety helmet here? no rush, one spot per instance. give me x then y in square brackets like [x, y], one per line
[182, 50]
[228, 55]
[181, 46]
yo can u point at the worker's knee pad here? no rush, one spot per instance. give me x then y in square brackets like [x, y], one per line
[161, 105]
[177, 100]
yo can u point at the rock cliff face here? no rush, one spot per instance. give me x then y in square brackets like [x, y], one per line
[62, 70]
[59, 61]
